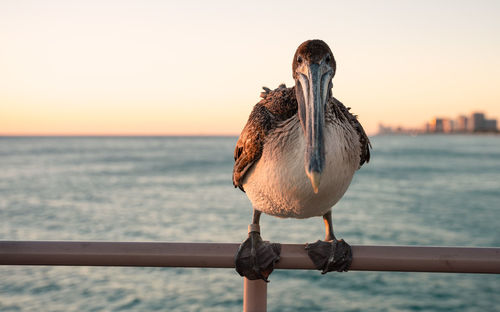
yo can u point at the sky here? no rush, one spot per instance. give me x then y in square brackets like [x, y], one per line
[197, 67]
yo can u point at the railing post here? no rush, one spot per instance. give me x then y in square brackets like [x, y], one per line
[254, 296]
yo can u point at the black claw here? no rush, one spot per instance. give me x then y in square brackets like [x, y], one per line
[330, 256]
[256, 258]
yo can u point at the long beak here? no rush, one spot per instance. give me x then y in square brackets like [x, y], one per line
[311, 93]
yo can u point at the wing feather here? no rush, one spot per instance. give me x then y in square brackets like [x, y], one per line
[277, 105]
[363, 138]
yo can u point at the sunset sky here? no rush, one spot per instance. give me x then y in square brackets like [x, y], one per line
[197, 67]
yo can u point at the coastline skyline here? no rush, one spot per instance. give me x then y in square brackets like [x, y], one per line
[125, 68]
[476, 122]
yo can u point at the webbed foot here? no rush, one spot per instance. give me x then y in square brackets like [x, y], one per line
[255, 258]
[335, 255]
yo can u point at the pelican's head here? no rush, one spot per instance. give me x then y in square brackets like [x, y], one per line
[313, 70]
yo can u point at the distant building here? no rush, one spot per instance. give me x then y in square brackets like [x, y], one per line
[478, 123]
[427, 127]
[491, 125]
[448, 125]
[436, 125]
[384, 129]
[462, 124]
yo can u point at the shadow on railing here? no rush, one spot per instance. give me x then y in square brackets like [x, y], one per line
[221, 255]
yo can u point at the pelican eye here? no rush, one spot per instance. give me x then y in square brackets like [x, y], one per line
[328, 58]
[299, 59]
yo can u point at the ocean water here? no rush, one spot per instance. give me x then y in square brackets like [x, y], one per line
[424, 190]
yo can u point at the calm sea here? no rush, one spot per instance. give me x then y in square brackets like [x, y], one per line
[425, 190]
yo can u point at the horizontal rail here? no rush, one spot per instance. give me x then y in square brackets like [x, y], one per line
[221, 255]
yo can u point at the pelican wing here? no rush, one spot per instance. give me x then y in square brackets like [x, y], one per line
[276, 105]
[353, 120]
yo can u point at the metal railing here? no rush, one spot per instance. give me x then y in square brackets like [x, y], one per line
[221, 255]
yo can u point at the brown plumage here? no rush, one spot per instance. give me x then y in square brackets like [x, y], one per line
[276, 106]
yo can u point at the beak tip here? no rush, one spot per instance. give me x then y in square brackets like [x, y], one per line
[315, 178]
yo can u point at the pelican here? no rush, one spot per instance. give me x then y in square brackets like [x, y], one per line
[295, 158]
